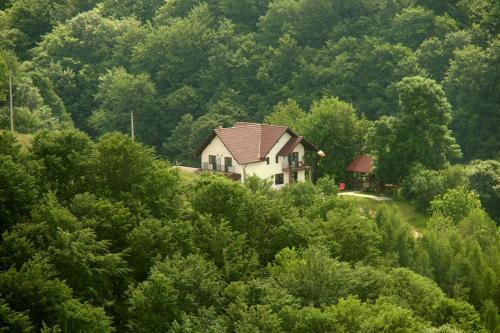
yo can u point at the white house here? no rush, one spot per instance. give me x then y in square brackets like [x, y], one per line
[267, 151]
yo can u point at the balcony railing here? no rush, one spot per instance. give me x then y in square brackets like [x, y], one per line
[292, 164]
[217, 167]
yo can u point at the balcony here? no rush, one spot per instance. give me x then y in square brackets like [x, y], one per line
[294, 165]
[205, 166]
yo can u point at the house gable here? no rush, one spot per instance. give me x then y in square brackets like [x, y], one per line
[217, 148]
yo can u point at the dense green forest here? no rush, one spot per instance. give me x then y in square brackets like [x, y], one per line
[102, 234]
[184, 66]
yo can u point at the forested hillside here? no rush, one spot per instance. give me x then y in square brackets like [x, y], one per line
[183, 66]
[103, 236]
[100, 233]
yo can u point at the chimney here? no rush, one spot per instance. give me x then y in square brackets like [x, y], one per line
[221, 125]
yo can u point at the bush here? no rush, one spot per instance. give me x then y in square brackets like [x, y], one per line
[423, 185]
[455, 204]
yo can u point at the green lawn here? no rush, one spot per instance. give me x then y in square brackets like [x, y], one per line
[416, 218]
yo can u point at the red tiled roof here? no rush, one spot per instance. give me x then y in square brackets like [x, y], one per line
[251, 142]
[247, 142]
[361, 164]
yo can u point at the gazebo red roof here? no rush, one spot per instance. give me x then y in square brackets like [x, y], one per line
[361, 164]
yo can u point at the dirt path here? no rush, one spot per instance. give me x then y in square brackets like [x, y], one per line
[371, 196]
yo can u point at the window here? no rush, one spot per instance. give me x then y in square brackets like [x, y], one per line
[307, 175]
[294, 177]
[278, 179]
[228, 163]
[276, 159]
[211, 162]
[293, 159]
[267, 160]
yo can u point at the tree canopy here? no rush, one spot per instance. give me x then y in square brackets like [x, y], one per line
[102, 235]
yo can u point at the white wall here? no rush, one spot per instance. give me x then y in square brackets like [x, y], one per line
[267, 171]
[217, 148]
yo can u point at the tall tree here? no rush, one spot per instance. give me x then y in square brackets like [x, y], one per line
[418, 134]
[69, 160]
[119, 94]
[472, 84]
[333, 126]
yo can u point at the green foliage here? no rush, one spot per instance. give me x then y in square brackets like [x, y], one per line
[121, 93]
[68, 158]
[287, 114]
[315, 278]
[397, 236]
[425, 110]
[256, 215]
[455, 204]
[111, 221]
[175, 285]
[364, 72]
[153, 238]
[86, 264]
[476, 104]
[334, 127]
[423, 185]
[143, 9]
[413, 25]
[178, 147]
[4, 78]
[133, 247]
[206, 320]
[127, 170]
[18, 192]
[484, 177]
[463, 258]
[84, 222]
[490, 317]
[228, 249]
[49, 300]
[352, 238]
[419, 133]
[327, 185]
[12, 321]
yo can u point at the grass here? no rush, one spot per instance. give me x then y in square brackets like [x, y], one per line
[188, 177]
[415, 217]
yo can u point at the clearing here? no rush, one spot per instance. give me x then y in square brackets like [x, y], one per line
[416, 218]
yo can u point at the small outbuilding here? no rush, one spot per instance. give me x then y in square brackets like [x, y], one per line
[362, 172]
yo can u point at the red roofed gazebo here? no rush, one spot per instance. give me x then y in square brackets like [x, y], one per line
[362, 169]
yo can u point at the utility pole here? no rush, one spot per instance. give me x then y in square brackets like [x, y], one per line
[132, 125]
[10, 98]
